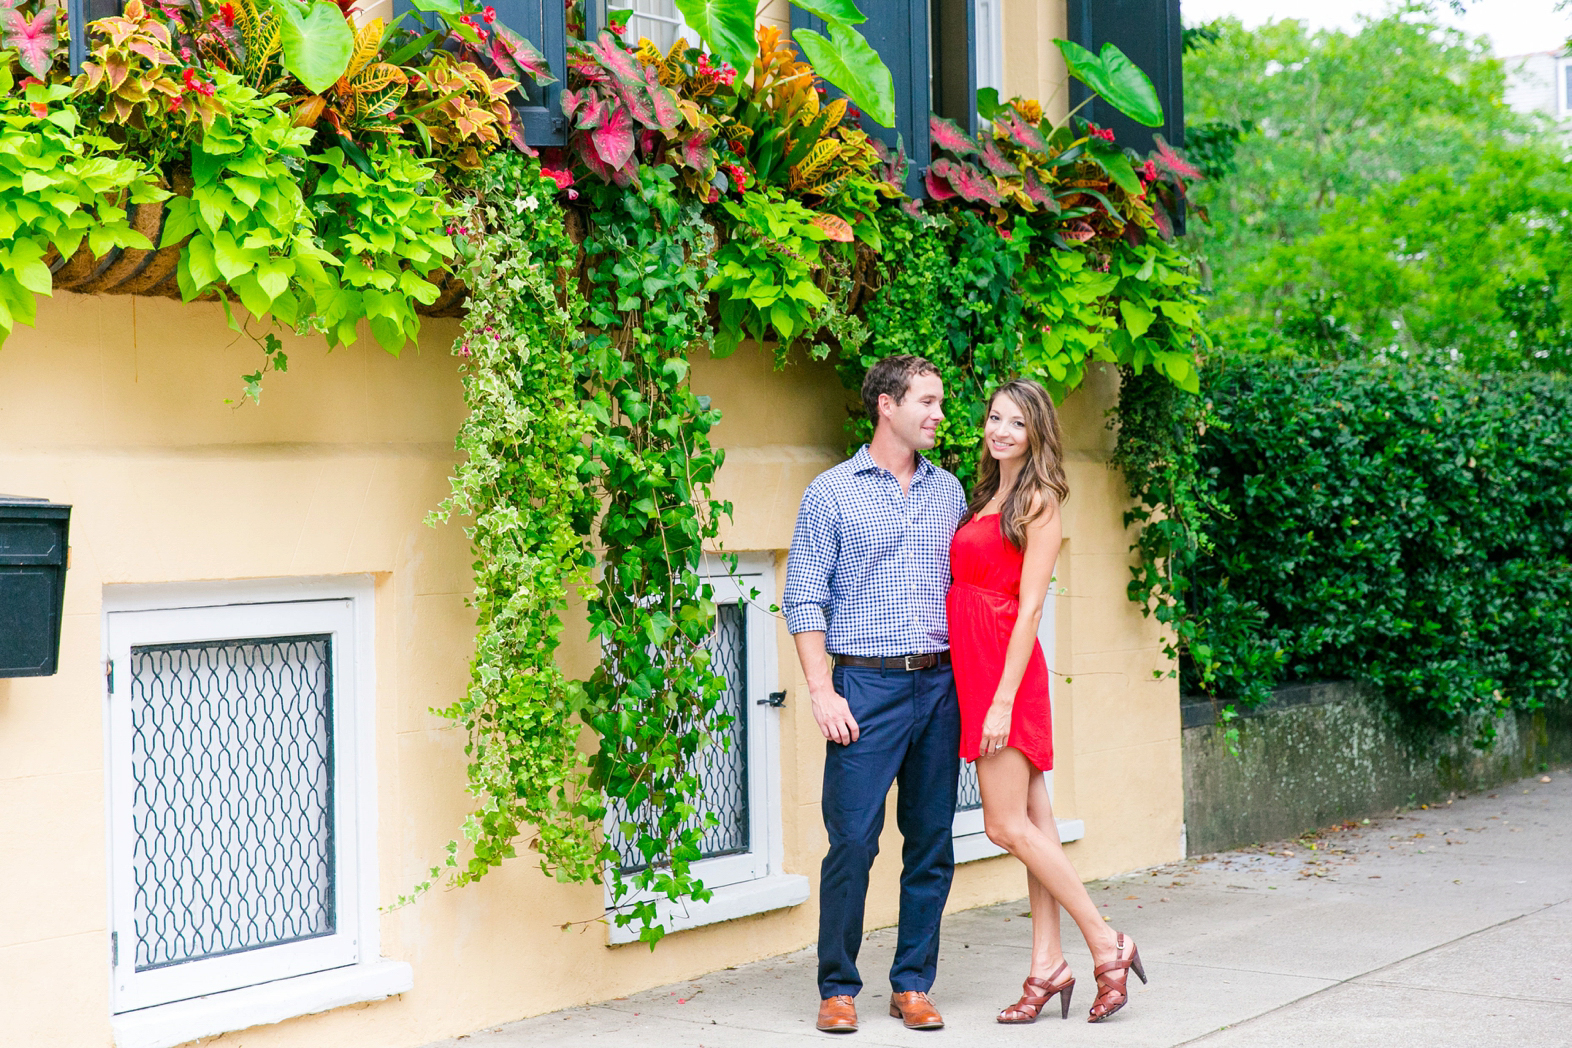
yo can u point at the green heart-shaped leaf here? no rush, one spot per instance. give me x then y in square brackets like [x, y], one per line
[843, 11]
[1116, 79]
[725, 25]
[317, 42]
[849, 62]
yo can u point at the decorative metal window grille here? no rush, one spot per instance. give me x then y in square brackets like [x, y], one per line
[968, 794]
[232, 808]
[723, 772]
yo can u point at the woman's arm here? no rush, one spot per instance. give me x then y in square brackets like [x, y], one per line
[1042, 550]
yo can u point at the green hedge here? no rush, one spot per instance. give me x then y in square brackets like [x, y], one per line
[1408, 528]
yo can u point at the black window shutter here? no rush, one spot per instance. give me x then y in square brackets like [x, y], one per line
[898, 31]
[542, 23]
[1148, 31]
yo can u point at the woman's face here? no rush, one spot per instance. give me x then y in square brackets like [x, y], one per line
[1004, 430]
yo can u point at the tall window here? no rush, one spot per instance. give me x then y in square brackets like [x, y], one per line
[658, 20]
[1564, 94]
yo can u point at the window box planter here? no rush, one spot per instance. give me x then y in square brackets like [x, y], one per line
[33, 535]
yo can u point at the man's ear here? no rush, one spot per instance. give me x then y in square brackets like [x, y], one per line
[885, 402]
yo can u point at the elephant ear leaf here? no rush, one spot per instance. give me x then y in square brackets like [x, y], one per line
[843, 11]
[850, 63]
[317, 42]
[725, 25]
[1115, 79]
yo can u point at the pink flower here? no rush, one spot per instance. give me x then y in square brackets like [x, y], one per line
[489, 14]
[1099, 132]
[1149, 171]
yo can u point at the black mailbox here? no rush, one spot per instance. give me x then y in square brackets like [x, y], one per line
[33, 536]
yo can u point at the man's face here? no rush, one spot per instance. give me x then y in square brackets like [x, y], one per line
[915, 420]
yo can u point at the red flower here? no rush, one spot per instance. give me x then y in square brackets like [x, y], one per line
[489, 14]
[1099, 132]
[1149, 171]
[227, 13]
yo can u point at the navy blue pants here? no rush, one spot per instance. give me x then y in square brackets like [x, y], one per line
[910, 731]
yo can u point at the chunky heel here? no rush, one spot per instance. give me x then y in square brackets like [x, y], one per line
[1113, 980]
[1035, 995]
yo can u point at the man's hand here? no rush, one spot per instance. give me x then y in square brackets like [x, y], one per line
[996, 728]
[830, 709]
[835, 718]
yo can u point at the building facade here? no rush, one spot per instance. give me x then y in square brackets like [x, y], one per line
[285, 547]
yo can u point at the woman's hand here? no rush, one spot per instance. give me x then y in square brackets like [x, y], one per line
[996, 728]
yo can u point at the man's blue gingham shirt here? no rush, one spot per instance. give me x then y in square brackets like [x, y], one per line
[870, 565]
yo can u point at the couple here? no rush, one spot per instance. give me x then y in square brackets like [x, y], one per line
[869, 584]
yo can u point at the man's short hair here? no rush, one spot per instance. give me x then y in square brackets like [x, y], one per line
[892, 375]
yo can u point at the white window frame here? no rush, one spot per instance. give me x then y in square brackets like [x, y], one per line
[971, 840]
[755, 882]
[666, 15]
[173, 1005]
[1564, 86]
[988, 45]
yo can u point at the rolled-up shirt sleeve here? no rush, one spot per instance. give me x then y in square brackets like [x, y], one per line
[810, 563]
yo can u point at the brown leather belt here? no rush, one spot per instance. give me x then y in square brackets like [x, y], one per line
[903, 663]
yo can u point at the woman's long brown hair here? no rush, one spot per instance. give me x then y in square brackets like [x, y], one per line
[1041, 480]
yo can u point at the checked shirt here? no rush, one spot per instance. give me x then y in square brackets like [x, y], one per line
[869, 565]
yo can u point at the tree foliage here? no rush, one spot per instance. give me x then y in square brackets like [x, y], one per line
[1380, 198]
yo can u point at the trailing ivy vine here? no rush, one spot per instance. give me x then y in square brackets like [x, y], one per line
[525, 485]
[652, 701]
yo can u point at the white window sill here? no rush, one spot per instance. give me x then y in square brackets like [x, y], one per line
[735, 900]
[167, 1025]
[974, 846]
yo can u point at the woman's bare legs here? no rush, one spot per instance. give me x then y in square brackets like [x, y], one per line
[1047, 953]
[1016, 824]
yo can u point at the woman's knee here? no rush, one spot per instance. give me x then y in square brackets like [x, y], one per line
[1008, 834]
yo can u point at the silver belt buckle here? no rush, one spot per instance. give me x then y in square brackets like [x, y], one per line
[913, 666]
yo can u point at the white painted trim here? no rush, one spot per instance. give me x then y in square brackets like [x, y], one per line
[1563, 84]
[776, 892]
[974, 846]
[372, 977]
[988, 47]
[172, 1024]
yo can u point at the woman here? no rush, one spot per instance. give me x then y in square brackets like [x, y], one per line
[1002, 559]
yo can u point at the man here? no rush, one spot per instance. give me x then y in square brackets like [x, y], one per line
[865, 582]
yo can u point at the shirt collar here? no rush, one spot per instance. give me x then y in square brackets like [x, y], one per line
[862, 462]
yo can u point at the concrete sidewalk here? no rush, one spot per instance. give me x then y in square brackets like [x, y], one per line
[1443, 927]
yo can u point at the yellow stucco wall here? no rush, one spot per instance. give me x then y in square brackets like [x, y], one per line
[116, 405]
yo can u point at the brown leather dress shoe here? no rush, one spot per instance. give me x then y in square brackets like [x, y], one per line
[838, 1014]
[915, 1010]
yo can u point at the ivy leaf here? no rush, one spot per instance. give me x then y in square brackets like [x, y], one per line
[317, 42]
[33, 39]
[1116, 79]
[849, 62]
[725, 25]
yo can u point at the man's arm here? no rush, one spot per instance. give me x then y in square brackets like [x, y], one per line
[830, 709]
[810, 565]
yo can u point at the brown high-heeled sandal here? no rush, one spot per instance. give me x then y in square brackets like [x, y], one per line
[1113, 994]
[1031, 1003]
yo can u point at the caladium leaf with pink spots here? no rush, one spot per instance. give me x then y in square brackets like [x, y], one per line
[948, 136]
[33, 39]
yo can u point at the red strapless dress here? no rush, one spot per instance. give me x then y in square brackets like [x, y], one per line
[983, 604]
